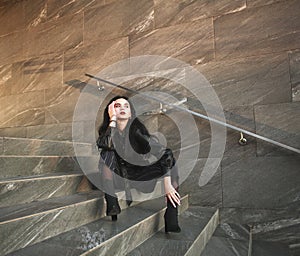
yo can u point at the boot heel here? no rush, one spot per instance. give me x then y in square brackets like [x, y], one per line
[114, 217]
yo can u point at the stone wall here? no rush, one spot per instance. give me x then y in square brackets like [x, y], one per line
[247, 49]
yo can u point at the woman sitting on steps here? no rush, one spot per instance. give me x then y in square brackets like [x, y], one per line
[125, 145]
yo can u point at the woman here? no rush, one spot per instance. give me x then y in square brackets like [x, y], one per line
[126, 147]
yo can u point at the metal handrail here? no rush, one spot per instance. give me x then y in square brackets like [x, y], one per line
[198, 114]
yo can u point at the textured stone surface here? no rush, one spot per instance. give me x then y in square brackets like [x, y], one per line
[10, 78]
[60, 8]
[26, 110]
[14, 191]
[58, 216]
[62, 131]
[249, 81]
[265, 182]
[295, 74]
[11, 16]
[118, 19]
[134, 224]
[278, 122]
[175, 12]
[60, 104]
[232, 231]
[20, 166]
[41, 73]
[46, 35]
[179, 244]
[221, 246]
[280, 231]
[257, 216]
[262, 248]
[92, 58]
[16, 132]
[35, 147]
[11, 48]
[35, 14]
[208, 195]
[256, 3]
[257, 31]
[190, 42]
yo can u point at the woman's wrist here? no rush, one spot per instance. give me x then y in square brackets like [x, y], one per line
[113, 124]
[113, 118]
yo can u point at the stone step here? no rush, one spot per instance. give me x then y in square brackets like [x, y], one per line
[31, 223]
[104, 237]
[232, 239]
[198, 225]
[38, 147]
[20, 190]
[22, 166]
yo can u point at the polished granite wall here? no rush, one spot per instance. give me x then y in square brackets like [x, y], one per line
[248, 50]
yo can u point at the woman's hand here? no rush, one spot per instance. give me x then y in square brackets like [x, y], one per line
[171, 192]
[111, 110]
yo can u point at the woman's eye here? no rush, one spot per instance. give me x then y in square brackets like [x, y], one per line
[117, 105]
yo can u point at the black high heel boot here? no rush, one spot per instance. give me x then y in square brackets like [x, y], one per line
[112, 204]
[112, 207]
[171, 218]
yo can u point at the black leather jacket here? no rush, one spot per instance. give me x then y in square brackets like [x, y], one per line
[141, 156]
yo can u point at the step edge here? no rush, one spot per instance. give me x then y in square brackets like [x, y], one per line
[214, 220]
[186, 197]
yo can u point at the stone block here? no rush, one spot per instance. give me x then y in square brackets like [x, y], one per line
[41, 73]
[61, 8]
[249, 81]
[14, 191]
[207, 195]
[46, 219]
[16, 132]
[93, 58]
[295, 74]
[262, 182]
[28, 109]
[36, 147]
[35, 14]
[255, 216]
[263, 248]
[176, 12]
[278, 122]
[12, 47]
[61, 131]
[191, 43]
[118, 19]
[190, 241]
[11, 77]
[11, 17]
[256, 3]
[103, 236]
[54, 36]
[22, 166]
[233, 231]
[60, 104]
[257, 31]
[220, 246]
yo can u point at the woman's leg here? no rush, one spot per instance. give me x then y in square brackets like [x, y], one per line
[171, 214]
[112, 204]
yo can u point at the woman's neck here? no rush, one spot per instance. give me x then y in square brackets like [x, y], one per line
[121, 123]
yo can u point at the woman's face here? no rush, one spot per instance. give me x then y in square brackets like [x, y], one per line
[122, 108]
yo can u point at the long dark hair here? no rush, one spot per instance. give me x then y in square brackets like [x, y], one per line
[134, 124]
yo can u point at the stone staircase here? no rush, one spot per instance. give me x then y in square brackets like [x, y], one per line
[47, 207]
